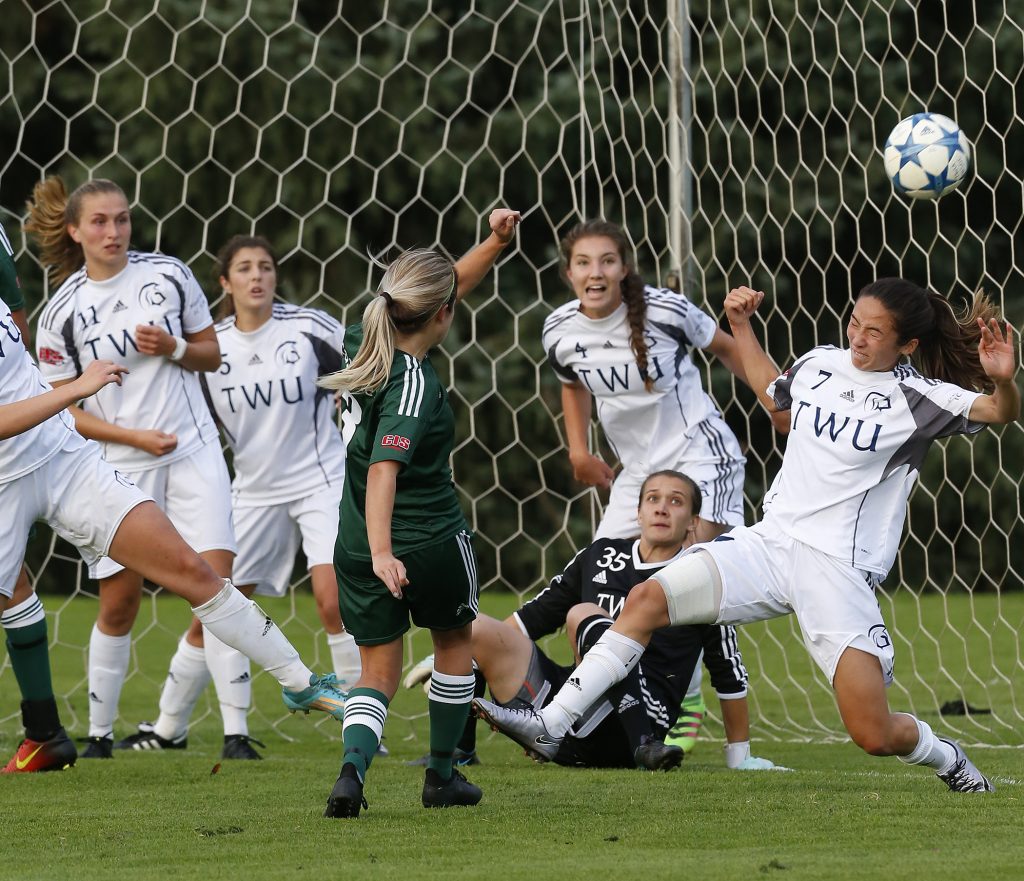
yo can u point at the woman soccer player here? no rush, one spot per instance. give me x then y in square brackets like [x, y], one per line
[404, 546]
[148, 311]
[49, 471]
[626, 728]
[288, 478]
[860, 423]
[629, 347]
[46, 745]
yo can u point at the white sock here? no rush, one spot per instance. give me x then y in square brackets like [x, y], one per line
[930, 751]
[737, 753]
[607, 663]
[693, 689]
[232, 679]
[187, 677]
[243, 625]
[26, 612]
[345, 658]
[108, 666]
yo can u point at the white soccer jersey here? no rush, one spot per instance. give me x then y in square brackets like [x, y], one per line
[643, 427]
[20, 379]
[856, 444]
[88, 320]
[278, 423]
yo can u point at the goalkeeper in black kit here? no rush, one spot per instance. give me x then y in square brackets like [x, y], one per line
[627, 728]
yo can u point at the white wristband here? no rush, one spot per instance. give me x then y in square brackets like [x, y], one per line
[180, 345]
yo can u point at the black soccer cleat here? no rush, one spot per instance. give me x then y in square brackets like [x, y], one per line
[146, 739]
[654, 755]
[98, 748]
[346, 798]
[457, 791]
[239, 746]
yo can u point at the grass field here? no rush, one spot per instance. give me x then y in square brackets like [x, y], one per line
[837, 814]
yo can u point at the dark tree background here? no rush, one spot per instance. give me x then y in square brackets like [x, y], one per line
[339, 134]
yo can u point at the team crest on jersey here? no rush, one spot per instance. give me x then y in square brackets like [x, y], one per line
[151, 297]
[51, 356]
[395, 440]
[877, 401]
[287, 353]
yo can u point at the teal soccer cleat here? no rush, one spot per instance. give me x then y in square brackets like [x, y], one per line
[322, 694]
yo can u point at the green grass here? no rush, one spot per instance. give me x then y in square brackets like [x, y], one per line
[838, 814]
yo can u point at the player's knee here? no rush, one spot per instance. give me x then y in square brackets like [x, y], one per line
[645, 607]
[874, 740]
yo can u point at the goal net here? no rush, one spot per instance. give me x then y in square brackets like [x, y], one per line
[736, 142]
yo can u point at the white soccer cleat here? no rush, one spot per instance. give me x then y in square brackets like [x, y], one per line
[755, 763]
[524, 726]
[420, 673]
[963, 776]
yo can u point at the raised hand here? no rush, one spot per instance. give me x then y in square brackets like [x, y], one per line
[503, 223]
[995, 350]
[741, 303]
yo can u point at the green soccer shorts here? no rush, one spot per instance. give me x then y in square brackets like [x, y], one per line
[442, 593]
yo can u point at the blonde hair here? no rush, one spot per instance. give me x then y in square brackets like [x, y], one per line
[415, 286]
[50, 210]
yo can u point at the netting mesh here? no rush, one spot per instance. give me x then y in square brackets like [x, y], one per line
[738, 143]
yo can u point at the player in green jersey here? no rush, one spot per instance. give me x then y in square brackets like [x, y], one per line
[404, 548]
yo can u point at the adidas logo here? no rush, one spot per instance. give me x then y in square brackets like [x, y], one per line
[627, 701]
[267, 626]
[608, 344]
[847, 396]
[239, 680]
[255, 359]
[601, 577]
[574, 681]
[95, 698]
[120, 307]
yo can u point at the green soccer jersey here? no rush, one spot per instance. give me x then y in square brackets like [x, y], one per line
[10, 291]
[407, 420]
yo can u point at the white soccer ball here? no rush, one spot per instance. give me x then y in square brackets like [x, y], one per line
[926, 155]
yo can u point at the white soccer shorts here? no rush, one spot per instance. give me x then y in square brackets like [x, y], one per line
[713, 459]
[766, 574]
[268, 538]
[195, 494]
[78, 493]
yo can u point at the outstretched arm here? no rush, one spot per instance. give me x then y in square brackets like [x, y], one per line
[474, 265]
[19, 416]
[995, 351]
[759, 369]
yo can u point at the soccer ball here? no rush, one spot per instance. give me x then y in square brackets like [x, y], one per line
[926, 155]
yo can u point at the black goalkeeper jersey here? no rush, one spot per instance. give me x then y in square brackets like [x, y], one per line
[604, 573]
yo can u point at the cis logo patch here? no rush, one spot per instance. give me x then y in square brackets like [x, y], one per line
[395, 440]
[51, 356]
